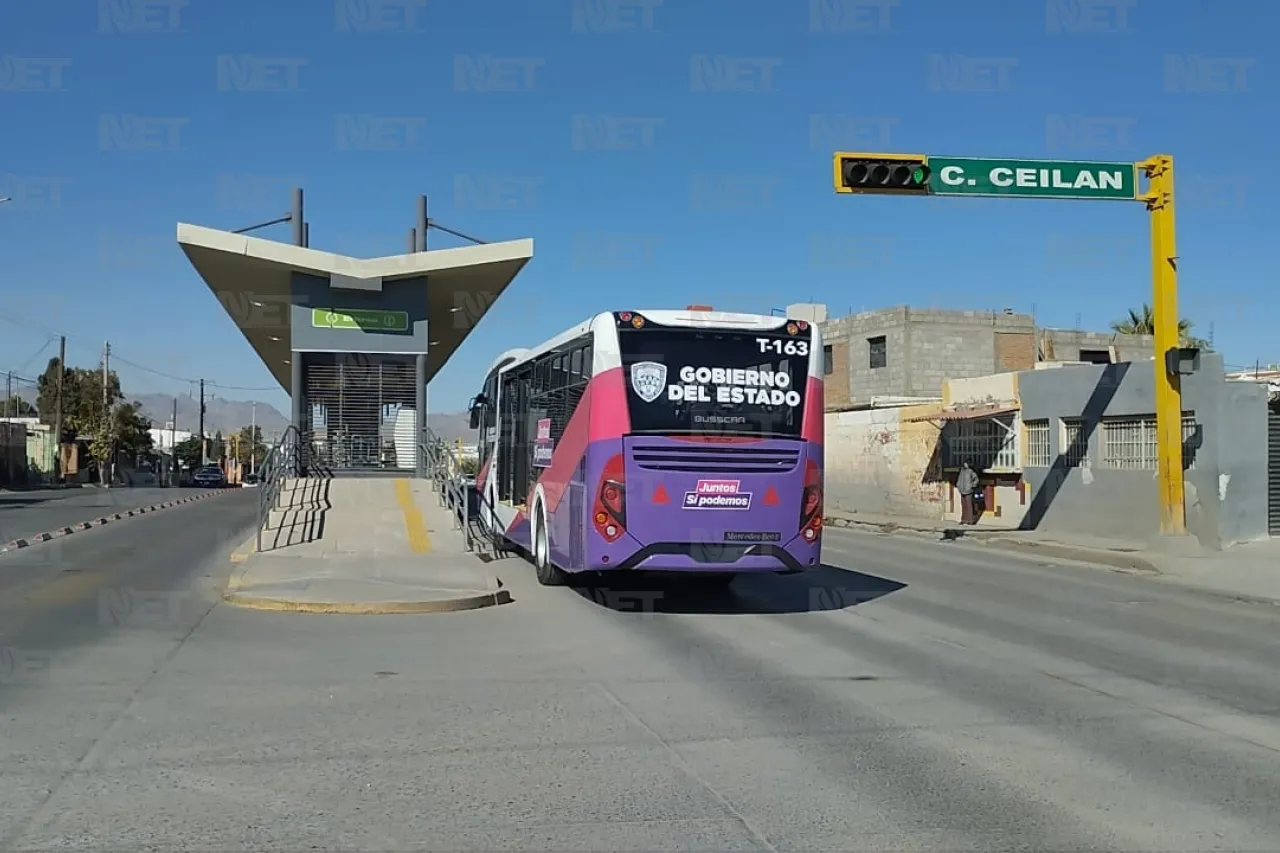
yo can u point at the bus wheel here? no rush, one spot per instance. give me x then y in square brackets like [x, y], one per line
[548, 574]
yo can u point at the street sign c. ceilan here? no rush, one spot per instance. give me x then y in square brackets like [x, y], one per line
[1033, 178]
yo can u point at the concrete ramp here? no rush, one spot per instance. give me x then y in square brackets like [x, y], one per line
[363, 545]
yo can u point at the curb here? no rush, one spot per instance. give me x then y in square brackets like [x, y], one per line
[1114, 559]
[27, 542]
[386, 608]
[995, 539]
[246, 550]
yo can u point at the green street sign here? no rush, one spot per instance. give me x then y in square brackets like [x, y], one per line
[356, 318]
[1033, 178]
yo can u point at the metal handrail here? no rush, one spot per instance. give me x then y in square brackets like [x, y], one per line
[444, 470]
[284, 460]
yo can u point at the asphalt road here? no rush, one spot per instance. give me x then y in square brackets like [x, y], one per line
[27, 513]
[923, 697]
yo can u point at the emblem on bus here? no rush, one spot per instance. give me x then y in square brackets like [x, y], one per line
[648, 378]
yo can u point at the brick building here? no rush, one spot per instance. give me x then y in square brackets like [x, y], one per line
[905, 353]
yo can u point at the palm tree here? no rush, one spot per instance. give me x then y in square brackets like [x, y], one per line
[1143, 323]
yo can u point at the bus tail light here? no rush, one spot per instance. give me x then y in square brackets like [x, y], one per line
[610, 511]
[811, 502]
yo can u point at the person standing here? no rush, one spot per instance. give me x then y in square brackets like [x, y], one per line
[967, 483]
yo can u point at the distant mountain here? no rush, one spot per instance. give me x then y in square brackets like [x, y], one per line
[230, 416]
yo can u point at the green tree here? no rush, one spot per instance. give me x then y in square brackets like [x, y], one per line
[187, 452]
[133, 430]
[16, 407]
[1143, 322]
[248, 445]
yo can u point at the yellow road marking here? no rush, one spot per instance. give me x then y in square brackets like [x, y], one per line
[419, 539]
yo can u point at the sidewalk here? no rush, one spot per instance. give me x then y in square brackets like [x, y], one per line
[1249, 571]
[380, 546]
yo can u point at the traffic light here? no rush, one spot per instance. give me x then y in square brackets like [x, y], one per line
[887, 174]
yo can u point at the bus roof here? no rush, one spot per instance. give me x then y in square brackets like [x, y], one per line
[696, 318]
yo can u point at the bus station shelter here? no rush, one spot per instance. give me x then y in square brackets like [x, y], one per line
[353, 341]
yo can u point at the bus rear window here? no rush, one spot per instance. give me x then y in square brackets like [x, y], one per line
[721, 382]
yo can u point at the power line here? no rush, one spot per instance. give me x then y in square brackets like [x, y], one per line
[171, 376]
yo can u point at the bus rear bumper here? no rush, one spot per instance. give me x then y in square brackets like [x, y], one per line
[698, 557]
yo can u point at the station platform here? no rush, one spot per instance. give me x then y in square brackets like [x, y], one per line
[354, 545]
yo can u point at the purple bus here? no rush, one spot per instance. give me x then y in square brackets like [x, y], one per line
[668, 441]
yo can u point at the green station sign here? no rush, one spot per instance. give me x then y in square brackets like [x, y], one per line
[368, 320]
[1033, 178]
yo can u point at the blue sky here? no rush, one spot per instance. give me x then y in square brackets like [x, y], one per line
[596, 129]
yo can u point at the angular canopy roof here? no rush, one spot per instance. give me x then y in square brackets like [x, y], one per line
[252, 278]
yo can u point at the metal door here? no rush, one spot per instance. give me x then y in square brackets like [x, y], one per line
[1273, 473]
[355, 401]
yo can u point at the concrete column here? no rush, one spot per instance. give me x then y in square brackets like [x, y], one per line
[297, 219]
[420, 406]
[421, 230]
[298, 415]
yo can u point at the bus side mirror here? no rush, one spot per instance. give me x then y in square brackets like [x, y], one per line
[475, 417]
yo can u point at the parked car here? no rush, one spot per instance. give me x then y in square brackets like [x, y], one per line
[250, 481]
[210, 477]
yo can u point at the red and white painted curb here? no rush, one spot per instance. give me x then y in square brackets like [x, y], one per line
[15, 544]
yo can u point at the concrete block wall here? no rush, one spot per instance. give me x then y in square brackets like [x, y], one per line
[878, 462]
[1065, 344]
[924, 348]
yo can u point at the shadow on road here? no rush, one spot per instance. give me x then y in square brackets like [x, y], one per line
[825, 588]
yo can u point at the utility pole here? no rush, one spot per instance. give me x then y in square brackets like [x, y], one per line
[173, 444]
[105, 473]
[204, 452]
[57, 415]
[8, 393]
[253, 439]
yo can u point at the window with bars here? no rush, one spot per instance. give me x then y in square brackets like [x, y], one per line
[1075, 443]
[1038, 452]
[984, 443]
[1129, 444]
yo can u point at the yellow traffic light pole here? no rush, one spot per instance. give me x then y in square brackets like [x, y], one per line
[1164, 308]
[882, 174]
